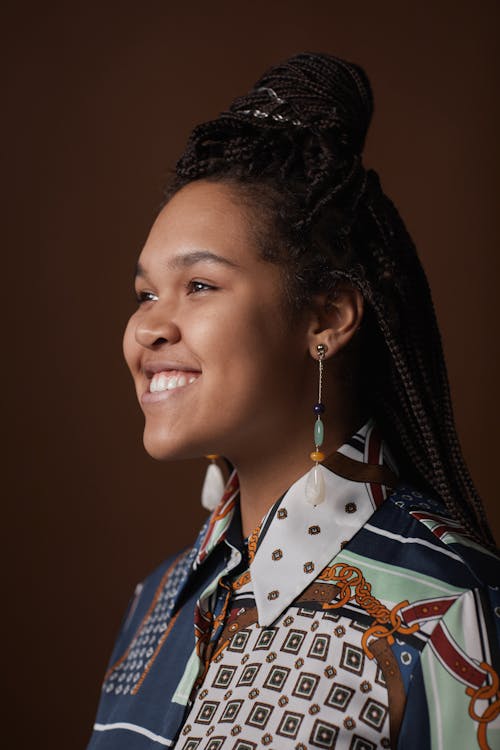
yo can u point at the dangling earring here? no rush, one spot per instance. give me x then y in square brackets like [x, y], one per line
[213, 484]
[315, 484]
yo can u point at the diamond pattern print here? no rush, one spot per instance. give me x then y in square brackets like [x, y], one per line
[231, 711]
[323, 734]
[339, 696]
[259, 715]
[239, 641]
[319, 647]
[289, 687]
[223, 677]
[290, 724]
[277, 678]
[373, 713]
[206, 712]
[353, 658]
[306, 685]
[265, 639]
[249, 674]
[293, 641]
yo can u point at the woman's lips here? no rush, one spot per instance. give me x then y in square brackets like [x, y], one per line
[163, 384]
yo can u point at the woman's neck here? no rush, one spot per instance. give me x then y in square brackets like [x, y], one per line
[264, 475]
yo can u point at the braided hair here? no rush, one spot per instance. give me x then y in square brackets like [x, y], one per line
[293, 147]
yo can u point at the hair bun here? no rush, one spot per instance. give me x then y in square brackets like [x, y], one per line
[315, 91]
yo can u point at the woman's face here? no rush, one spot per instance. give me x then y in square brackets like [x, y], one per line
[218, 365]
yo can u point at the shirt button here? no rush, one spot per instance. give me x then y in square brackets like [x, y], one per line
[351, 508]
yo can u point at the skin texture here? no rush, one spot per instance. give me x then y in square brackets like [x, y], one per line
[226, 322]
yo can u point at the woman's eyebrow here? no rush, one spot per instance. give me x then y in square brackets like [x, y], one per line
[185, 260]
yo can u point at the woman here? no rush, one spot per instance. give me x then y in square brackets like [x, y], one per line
[343, 592]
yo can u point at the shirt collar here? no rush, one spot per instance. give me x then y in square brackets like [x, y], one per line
[297, 540]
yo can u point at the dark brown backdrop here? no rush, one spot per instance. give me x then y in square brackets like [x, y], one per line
[97, 106]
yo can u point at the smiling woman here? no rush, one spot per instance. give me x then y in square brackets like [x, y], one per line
[219, 314]
[344, 590]
[199, 314]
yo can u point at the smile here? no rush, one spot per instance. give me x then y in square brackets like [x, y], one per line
[169, 381]
[164, 384]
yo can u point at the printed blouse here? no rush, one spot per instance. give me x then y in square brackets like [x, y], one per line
[369, 621]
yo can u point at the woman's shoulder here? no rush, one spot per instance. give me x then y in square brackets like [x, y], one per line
[419, 527]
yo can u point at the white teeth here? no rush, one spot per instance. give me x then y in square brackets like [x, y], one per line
[161, 381]
[158, 383]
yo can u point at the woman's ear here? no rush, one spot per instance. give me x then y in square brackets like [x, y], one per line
[335, 318]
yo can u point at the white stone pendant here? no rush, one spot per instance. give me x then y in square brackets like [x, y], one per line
[213, 487]
[315, 486]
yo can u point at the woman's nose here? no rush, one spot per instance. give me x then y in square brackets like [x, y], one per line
[156, 328]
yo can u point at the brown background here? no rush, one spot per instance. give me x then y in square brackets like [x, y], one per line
[97, 105]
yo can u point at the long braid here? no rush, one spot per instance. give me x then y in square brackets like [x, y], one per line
[294, 144]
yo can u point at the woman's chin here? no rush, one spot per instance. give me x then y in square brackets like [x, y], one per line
[168, 448]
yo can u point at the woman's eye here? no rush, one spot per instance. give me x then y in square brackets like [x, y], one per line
[141, 297]
[198, 286]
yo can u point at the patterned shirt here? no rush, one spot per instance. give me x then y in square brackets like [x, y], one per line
[369, 621]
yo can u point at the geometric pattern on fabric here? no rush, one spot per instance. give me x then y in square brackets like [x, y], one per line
[353, 658]
[339, 696]
[323, 734]
[124, 676]
[298, 685]
[373, 713]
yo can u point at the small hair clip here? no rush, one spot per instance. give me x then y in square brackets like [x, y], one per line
[263, 115]
[272, 93]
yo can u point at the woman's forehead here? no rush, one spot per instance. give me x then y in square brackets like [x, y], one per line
[204, 216]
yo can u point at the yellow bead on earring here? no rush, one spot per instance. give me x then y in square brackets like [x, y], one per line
[317, 456]
[315, 483]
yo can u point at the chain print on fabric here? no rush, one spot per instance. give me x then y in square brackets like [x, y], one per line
[353, 585]
[490, 713]
[241, 581]
[252, 543]
[245, 577]
[128, 673]
[473, 675]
